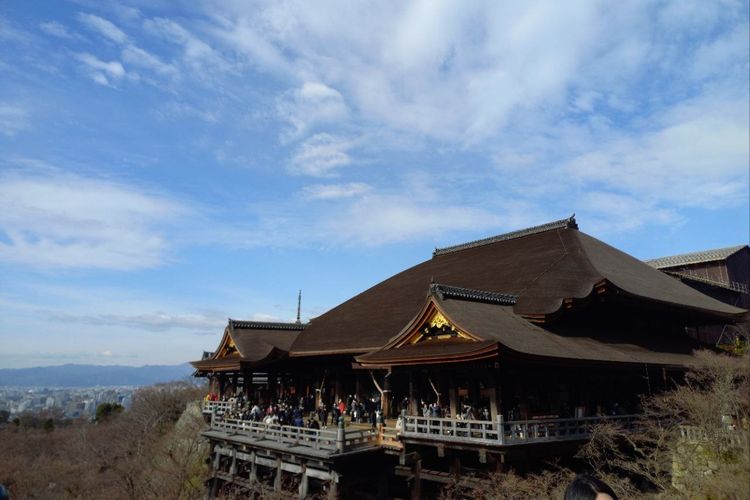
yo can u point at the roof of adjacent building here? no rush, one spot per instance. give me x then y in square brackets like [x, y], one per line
[686, 259]
[538, 269]
[257, 343]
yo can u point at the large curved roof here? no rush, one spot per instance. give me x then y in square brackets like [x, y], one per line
[496, 325]
[542, 266]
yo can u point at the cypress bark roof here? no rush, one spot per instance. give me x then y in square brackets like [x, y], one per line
[256, 343]
[542, 267]
[500, 330]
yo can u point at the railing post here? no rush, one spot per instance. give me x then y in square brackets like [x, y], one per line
[340, 436]
[500, 428]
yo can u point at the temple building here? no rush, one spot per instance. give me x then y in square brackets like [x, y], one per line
[490, 353]
[722, 273]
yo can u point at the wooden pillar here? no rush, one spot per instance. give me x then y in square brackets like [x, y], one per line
[247, 377]
[452, 396]
[358, 386]
[383, 476]
[253, 468]
[385, 402]
[280, 386]
[235, 383]
[277, 479]
[334, 492]
[338, 392]
[416, 487]
[272, 396]
[233, 466]
[496, 395]
[303, 482]
[318, 392]
[214, 488]
[413, 403]
[222, 383]
[474, 393]
[455, 467]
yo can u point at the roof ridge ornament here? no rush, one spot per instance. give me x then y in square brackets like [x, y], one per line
[455, 292]
[569, 223]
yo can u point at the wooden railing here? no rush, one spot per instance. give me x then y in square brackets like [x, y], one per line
[318, 439]
[216, 406]
[327, 440]
[501, 433]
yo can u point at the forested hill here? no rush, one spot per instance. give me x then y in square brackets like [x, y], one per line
[92, 375]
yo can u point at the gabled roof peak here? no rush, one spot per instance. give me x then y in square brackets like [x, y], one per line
[569, 223]
[455, 292]
[265, 325]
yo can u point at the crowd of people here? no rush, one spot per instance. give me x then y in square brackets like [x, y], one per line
[302, 412]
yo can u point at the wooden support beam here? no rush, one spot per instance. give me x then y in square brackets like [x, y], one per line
[408, 458]
[253, 468]
[233, 467]
[277, 479]
[416, 486]
[334, 492]
[303, 483]
[455, 467]
[452, 398]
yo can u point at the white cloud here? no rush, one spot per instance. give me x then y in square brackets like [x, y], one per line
[156, 322]
[384, 219]
[13, 119]
[313, 103]
[700, 160]
[321, 155]
[102, 71]
[59, 30]
[334, 191]
[609, 213]
[103, 27]
[138, 57]
[57, 220]
[196, 53]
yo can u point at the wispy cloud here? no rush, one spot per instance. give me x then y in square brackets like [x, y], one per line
[58, 30]
[335, 191]
[103, 27]
[196, 53]
[139, 57]
[13, 119]
[313, 103]
[155, 322]
[385, 219]
[58, 220]
[321, 155]
[102, 72]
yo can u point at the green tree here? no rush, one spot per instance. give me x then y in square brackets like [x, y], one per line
[49, 425]
[105, 411]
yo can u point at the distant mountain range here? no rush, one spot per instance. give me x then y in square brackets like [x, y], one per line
[92, 375]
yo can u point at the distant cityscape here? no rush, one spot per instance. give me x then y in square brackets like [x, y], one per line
[74, 391]
[63, 402]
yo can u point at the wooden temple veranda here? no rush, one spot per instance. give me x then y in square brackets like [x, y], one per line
[490, 353]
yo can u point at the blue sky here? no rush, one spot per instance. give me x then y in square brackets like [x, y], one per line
[166, 165]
